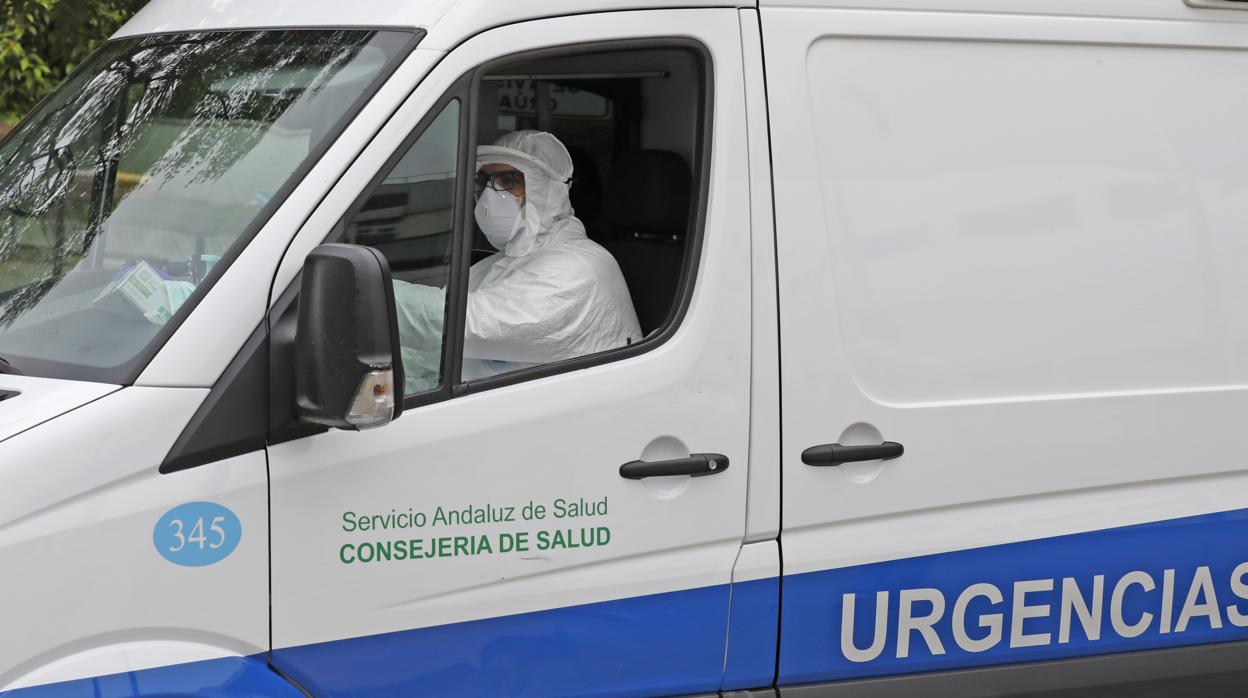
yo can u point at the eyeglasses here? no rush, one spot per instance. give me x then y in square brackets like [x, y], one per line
[499, 181]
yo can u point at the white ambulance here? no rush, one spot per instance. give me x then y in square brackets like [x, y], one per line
[940, 386]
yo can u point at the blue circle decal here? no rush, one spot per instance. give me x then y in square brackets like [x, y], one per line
[197, 534]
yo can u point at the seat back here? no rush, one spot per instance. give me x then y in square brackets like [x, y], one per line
[646, 212]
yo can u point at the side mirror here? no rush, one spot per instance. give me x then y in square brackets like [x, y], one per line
[347, 361]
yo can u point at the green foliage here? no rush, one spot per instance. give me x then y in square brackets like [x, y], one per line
[42, 40]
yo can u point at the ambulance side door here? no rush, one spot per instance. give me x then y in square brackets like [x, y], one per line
[488, 542]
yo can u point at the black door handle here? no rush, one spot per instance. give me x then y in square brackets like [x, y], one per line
[835, 454]
[697, 465]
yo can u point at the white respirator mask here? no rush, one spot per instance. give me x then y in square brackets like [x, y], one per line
[500, 216]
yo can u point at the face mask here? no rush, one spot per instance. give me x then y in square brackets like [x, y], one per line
[498, 214]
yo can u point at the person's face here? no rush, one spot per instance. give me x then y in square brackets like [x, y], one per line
[499, 176]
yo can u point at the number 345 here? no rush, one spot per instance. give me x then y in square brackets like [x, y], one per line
[197, 535]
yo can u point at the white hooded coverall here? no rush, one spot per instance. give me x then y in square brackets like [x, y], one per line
[549, 294]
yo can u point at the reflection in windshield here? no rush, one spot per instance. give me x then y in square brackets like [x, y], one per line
[121, 191]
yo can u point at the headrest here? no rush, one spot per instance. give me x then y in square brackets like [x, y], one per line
[648, 192]
[586, 192]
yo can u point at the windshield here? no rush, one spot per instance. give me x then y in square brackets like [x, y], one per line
[151, 166]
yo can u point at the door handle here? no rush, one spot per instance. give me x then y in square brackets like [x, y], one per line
[835, 454]
[697, 465]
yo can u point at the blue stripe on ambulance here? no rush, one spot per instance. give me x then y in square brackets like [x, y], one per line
[660, 644]
[1166, 584]
[752, 634]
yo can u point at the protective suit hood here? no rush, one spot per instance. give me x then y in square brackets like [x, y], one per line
[547, 169]
[549, 294]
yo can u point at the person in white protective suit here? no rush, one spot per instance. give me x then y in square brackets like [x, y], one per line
[548, 294]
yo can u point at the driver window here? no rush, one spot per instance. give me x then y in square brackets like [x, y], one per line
[584, 187]
[409, 217]
[582, 214]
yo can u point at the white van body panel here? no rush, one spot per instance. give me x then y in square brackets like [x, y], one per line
[1023, 242]
[916, 338]
[122, 657]
[757, 561]
[80, 503]
[449, 22]
[465, 19]
[208, 15]
[41, 399]
[763, 504]
[1055, 9]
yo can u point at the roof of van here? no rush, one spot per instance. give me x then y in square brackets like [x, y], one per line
[447, 21]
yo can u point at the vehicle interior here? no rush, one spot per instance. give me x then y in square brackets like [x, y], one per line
[631, 120]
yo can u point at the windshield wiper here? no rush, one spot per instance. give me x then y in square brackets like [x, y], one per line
[6, 367]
